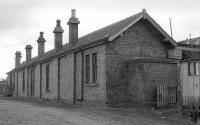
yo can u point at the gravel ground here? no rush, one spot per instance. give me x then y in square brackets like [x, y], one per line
[28, 112]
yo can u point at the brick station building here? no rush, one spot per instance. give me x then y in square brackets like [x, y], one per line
[119, 64]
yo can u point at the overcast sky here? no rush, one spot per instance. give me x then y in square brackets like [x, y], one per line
[22, 20]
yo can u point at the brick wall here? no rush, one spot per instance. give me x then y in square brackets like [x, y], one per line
[143, 78]
[16, 86]
[13, 82]
[95, 92]
[26, 83]
[20, 93]
[138, 41]
[66, 78]
[79, 79]
[52, 93]
[37, 81]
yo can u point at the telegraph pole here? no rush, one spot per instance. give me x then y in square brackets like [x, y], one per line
[170, 23]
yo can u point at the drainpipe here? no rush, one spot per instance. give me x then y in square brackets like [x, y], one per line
[17, 83]
[33, 82]
[58, 79]
[82, 78]
[74, 102]
[40, 80]
[28, 82]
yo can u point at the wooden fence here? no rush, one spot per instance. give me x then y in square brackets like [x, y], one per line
[166, 96]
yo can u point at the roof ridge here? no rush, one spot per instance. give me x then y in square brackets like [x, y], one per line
[110, 25]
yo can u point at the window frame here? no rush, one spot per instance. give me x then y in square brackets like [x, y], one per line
[94, 67]
[87, 69]
[91, 69]
[193, 68]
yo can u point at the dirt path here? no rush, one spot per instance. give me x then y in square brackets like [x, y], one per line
[19, 112]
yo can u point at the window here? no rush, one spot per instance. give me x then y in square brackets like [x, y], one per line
[94, 67]
[47, 77]
[87, 68]
[91, 68]
[193, 68]
[23, 81]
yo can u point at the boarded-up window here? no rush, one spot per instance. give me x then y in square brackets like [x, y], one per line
[193, 68]
[94, 67]
[47, 77]
[87, 68]
[23, 81]
[196, 66]
[190, 68]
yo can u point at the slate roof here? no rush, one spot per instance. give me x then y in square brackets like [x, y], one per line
[193, 41]
[109, 32]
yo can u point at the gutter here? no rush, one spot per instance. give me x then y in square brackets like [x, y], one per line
[17, 83]
[82, 78]
[40, 80]
[28, 82]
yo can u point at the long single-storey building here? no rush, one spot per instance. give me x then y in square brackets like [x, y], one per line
[119, 64]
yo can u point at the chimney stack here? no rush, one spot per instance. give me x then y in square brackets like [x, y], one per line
[41, 46]
[17, 58]
[28, 52]
[58, 31]
[73, 29]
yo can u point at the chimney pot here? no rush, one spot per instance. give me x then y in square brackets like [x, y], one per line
[28, 47]
[41, 34]
[73, 11]
[18, 53]
[58, 28]
[58, 23]
[41, 38]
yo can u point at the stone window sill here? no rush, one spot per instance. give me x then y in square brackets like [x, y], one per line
[91, 84]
